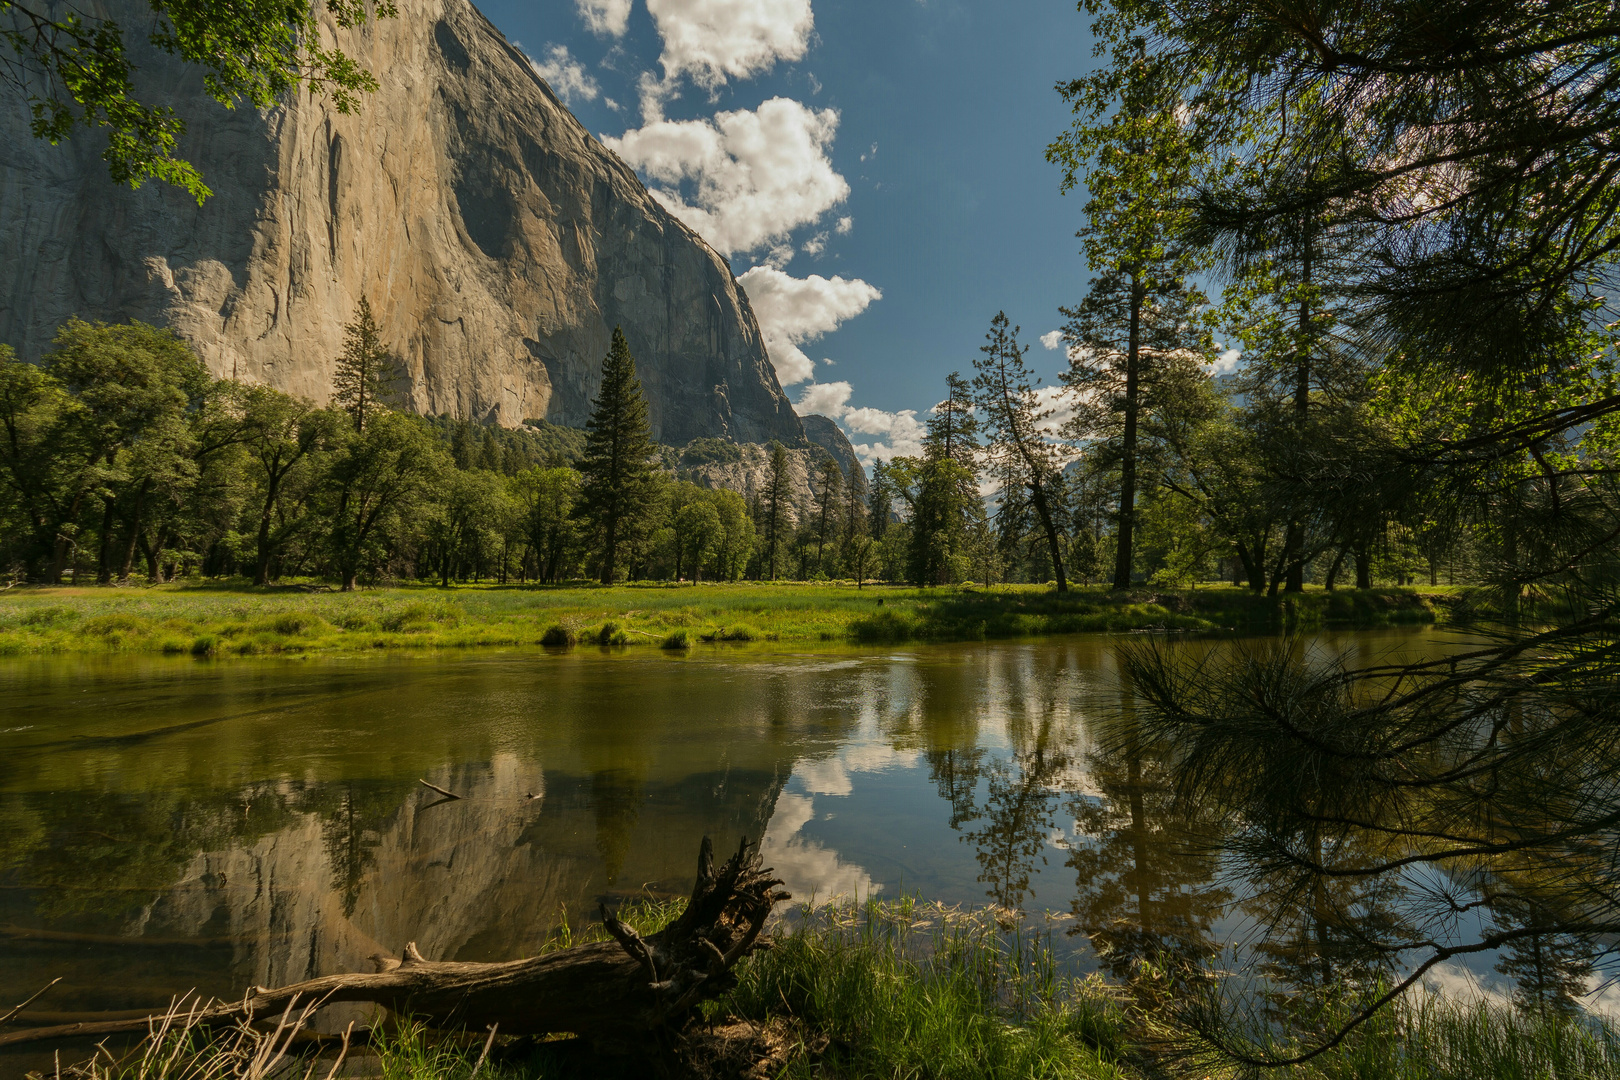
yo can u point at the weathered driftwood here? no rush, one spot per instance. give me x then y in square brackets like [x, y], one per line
[599, 991]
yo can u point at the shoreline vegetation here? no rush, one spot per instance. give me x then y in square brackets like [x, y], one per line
[905, 988]
[240, 620]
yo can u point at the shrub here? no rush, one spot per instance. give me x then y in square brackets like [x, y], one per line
[558, 636]
[711, 451]
[677, 640]
[884, 626]
[610, 634]
[205, 645]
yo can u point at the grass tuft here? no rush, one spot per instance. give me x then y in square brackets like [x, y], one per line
[558, 636]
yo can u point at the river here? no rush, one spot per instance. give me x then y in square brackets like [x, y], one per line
[173, 824]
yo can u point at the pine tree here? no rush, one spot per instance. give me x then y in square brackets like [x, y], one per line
[947, 498]
[832, 483]
[1019, 447]
[366, 371]
[616, 471]
[1134, 342]
[776, 492]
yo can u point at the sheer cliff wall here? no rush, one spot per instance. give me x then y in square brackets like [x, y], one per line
[498, 241]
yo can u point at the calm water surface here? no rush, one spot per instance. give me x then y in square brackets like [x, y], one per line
[171, 824]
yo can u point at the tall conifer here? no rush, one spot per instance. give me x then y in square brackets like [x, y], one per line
[617, 474]
[366, 372]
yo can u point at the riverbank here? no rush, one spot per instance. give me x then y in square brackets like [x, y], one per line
[224, 620]
[907, 989]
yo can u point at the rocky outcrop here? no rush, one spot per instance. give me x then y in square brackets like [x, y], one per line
[824, 433]
[497, 240]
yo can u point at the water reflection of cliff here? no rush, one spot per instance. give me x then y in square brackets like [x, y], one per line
[308, 879]
[238, 825]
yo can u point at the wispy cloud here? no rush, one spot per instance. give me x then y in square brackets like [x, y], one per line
[566, 76]
[611, 17]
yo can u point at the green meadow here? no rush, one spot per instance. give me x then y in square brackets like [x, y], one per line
[212, 620]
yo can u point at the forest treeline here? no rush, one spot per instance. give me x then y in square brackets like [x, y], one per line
[125, 460]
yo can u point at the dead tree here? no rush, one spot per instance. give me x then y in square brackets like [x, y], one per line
[603, 991]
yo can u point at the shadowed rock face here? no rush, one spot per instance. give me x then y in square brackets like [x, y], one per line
[498, 241]
[824, 433]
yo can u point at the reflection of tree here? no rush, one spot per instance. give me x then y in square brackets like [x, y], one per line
[955, 773]
[1549, 969]
[352, 820]
[101, 854]
[616, 800]
[1017, 817]
[1144, 887]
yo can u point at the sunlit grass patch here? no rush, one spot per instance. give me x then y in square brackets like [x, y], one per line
[254, 621]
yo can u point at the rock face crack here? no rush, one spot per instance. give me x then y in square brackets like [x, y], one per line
[462, 180]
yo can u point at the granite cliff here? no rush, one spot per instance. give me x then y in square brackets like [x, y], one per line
[498, 241]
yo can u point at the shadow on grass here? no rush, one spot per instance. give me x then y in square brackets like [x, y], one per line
[973, 615]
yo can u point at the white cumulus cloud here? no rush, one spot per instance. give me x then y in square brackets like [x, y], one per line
[749, 178]
[605, 16]
[1052, 339]
[825, 399]
[566, 76]
[712, 41]
[900, 434]
[793, 311]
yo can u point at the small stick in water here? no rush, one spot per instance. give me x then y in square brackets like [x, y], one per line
[440, 790]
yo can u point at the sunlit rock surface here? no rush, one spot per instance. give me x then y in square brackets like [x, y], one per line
[498, 241]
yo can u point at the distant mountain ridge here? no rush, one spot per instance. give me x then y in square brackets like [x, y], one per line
[498, 241]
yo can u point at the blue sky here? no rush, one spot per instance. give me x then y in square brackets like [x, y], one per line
[873, 169]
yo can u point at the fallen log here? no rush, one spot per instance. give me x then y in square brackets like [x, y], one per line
[603, 991]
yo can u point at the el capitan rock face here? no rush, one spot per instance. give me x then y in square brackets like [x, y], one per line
[498, 241]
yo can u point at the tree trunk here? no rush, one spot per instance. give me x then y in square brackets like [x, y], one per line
[1044, 512]
[1294, 544]
[127, 563]
[104, 553]
[1363, 568]
[611, 550]
[609, 992]
[261, 568]
[1333, 571]
[1124, 554]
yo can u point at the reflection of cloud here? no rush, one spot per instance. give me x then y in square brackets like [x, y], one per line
[825, 777]
[807, 868]
[1462, 985]
[831, 775]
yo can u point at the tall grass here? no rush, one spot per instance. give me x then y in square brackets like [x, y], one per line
[912, 990]
[1428, 1038]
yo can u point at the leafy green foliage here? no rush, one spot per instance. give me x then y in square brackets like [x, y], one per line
[74, 71]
